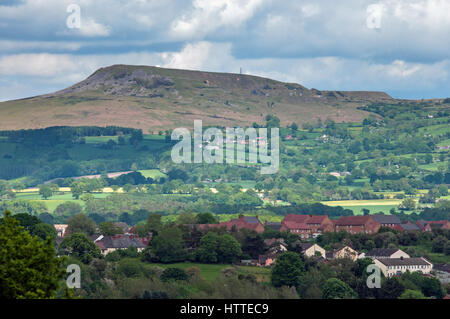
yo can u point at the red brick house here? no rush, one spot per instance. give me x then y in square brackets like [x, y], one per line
[390, 221]
[441, 224]
[357, 224]
[243, 222]
[306, 226]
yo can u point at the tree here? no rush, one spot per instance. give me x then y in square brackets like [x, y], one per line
[44, 231]
[154, 223]
[391, 288]
[80, 223]
[412, 294]
[337, 289]
[438, 244]
[207, 251]
[109, 229]
[68, 209]
[76, 189]
[81, 247]
[173, 274]
[408, 204]
[206, 218]
[288, 269]
[253, 244]
[29, 267]
[186, 218]
[45, 191]
[229, 249]
[167, 246]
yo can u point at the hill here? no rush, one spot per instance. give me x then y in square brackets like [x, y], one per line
[153, 98]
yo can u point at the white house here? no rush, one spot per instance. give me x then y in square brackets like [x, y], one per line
[397, 266]
[378, 253]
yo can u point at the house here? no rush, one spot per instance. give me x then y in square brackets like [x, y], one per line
[123, 226]
[318, 224]
[306, 226]
[300, 229]
[273, 225]
[342, 252]
[310, 250]
[397, 266]
[407, 227]
[357, 224]
[386, 220]
[378, 253]
[442, 272]
[274, 241]
[269, 258]
[60, 229]
[423, 225]
[108, 244]
[243, 222]
[439, 224]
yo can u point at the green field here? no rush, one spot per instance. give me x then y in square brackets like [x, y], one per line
[100, 139]
[375, 206]
[211, 271]
[152, 173]
[55, 200]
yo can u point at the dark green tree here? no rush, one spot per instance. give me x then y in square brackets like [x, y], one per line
[337, 289]
[288, 269]
[29, 267]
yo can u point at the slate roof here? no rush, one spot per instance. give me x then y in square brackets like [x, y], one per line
[121, 242]
[386, 219]
[409, 227]
[381, 252]
[403, 261]
[305, 246]
[251, 219]
[273, 225]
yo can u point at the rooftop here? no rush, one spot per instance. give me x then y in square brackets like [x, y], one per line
[404, 262]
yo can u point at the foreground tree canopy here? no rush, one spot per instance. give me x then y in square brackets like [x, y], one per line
[29, 267]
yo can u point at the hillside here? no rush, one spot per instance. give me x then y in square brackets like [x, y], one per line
[153, 98]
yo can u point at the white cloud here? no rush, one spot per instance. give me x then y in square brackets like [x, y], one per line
[42, 64]
[208, 16]
[201, 55]
[90, 28]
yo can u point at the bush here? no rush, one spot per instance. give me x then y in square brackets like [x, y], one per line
[174, 274]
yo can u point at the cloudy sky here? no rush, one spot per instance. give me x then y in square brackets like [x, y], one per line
[401, 47]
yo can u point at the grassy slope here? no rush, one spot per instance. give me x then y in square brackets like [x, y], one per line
[211, 271]
[225, 99]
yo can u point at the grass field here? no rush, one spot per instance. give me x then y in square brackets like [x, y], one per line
[152, 173]
[211, 271]
[100, 139]
[55, 200]
[375, 206]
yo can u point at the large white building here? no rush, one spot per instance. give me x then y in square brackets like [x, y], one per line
[397, 266]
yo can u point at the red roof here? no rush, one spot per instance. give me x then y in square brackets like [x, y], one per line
[296, 218]
[316, 219]
[295, 225]
[353, 220]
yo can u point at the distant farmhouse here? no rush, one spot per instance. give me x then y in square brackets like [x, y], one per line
[342, 252]
[243, 222]
[108, 244]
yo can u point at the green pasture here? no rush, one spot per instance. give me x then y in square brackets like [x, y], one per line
[211, 271]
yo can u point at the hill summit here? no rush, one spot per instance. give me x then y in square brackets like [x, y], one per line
[154, 98]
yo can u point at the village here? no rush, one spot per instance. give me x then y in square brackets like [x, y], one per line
[391, 261]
